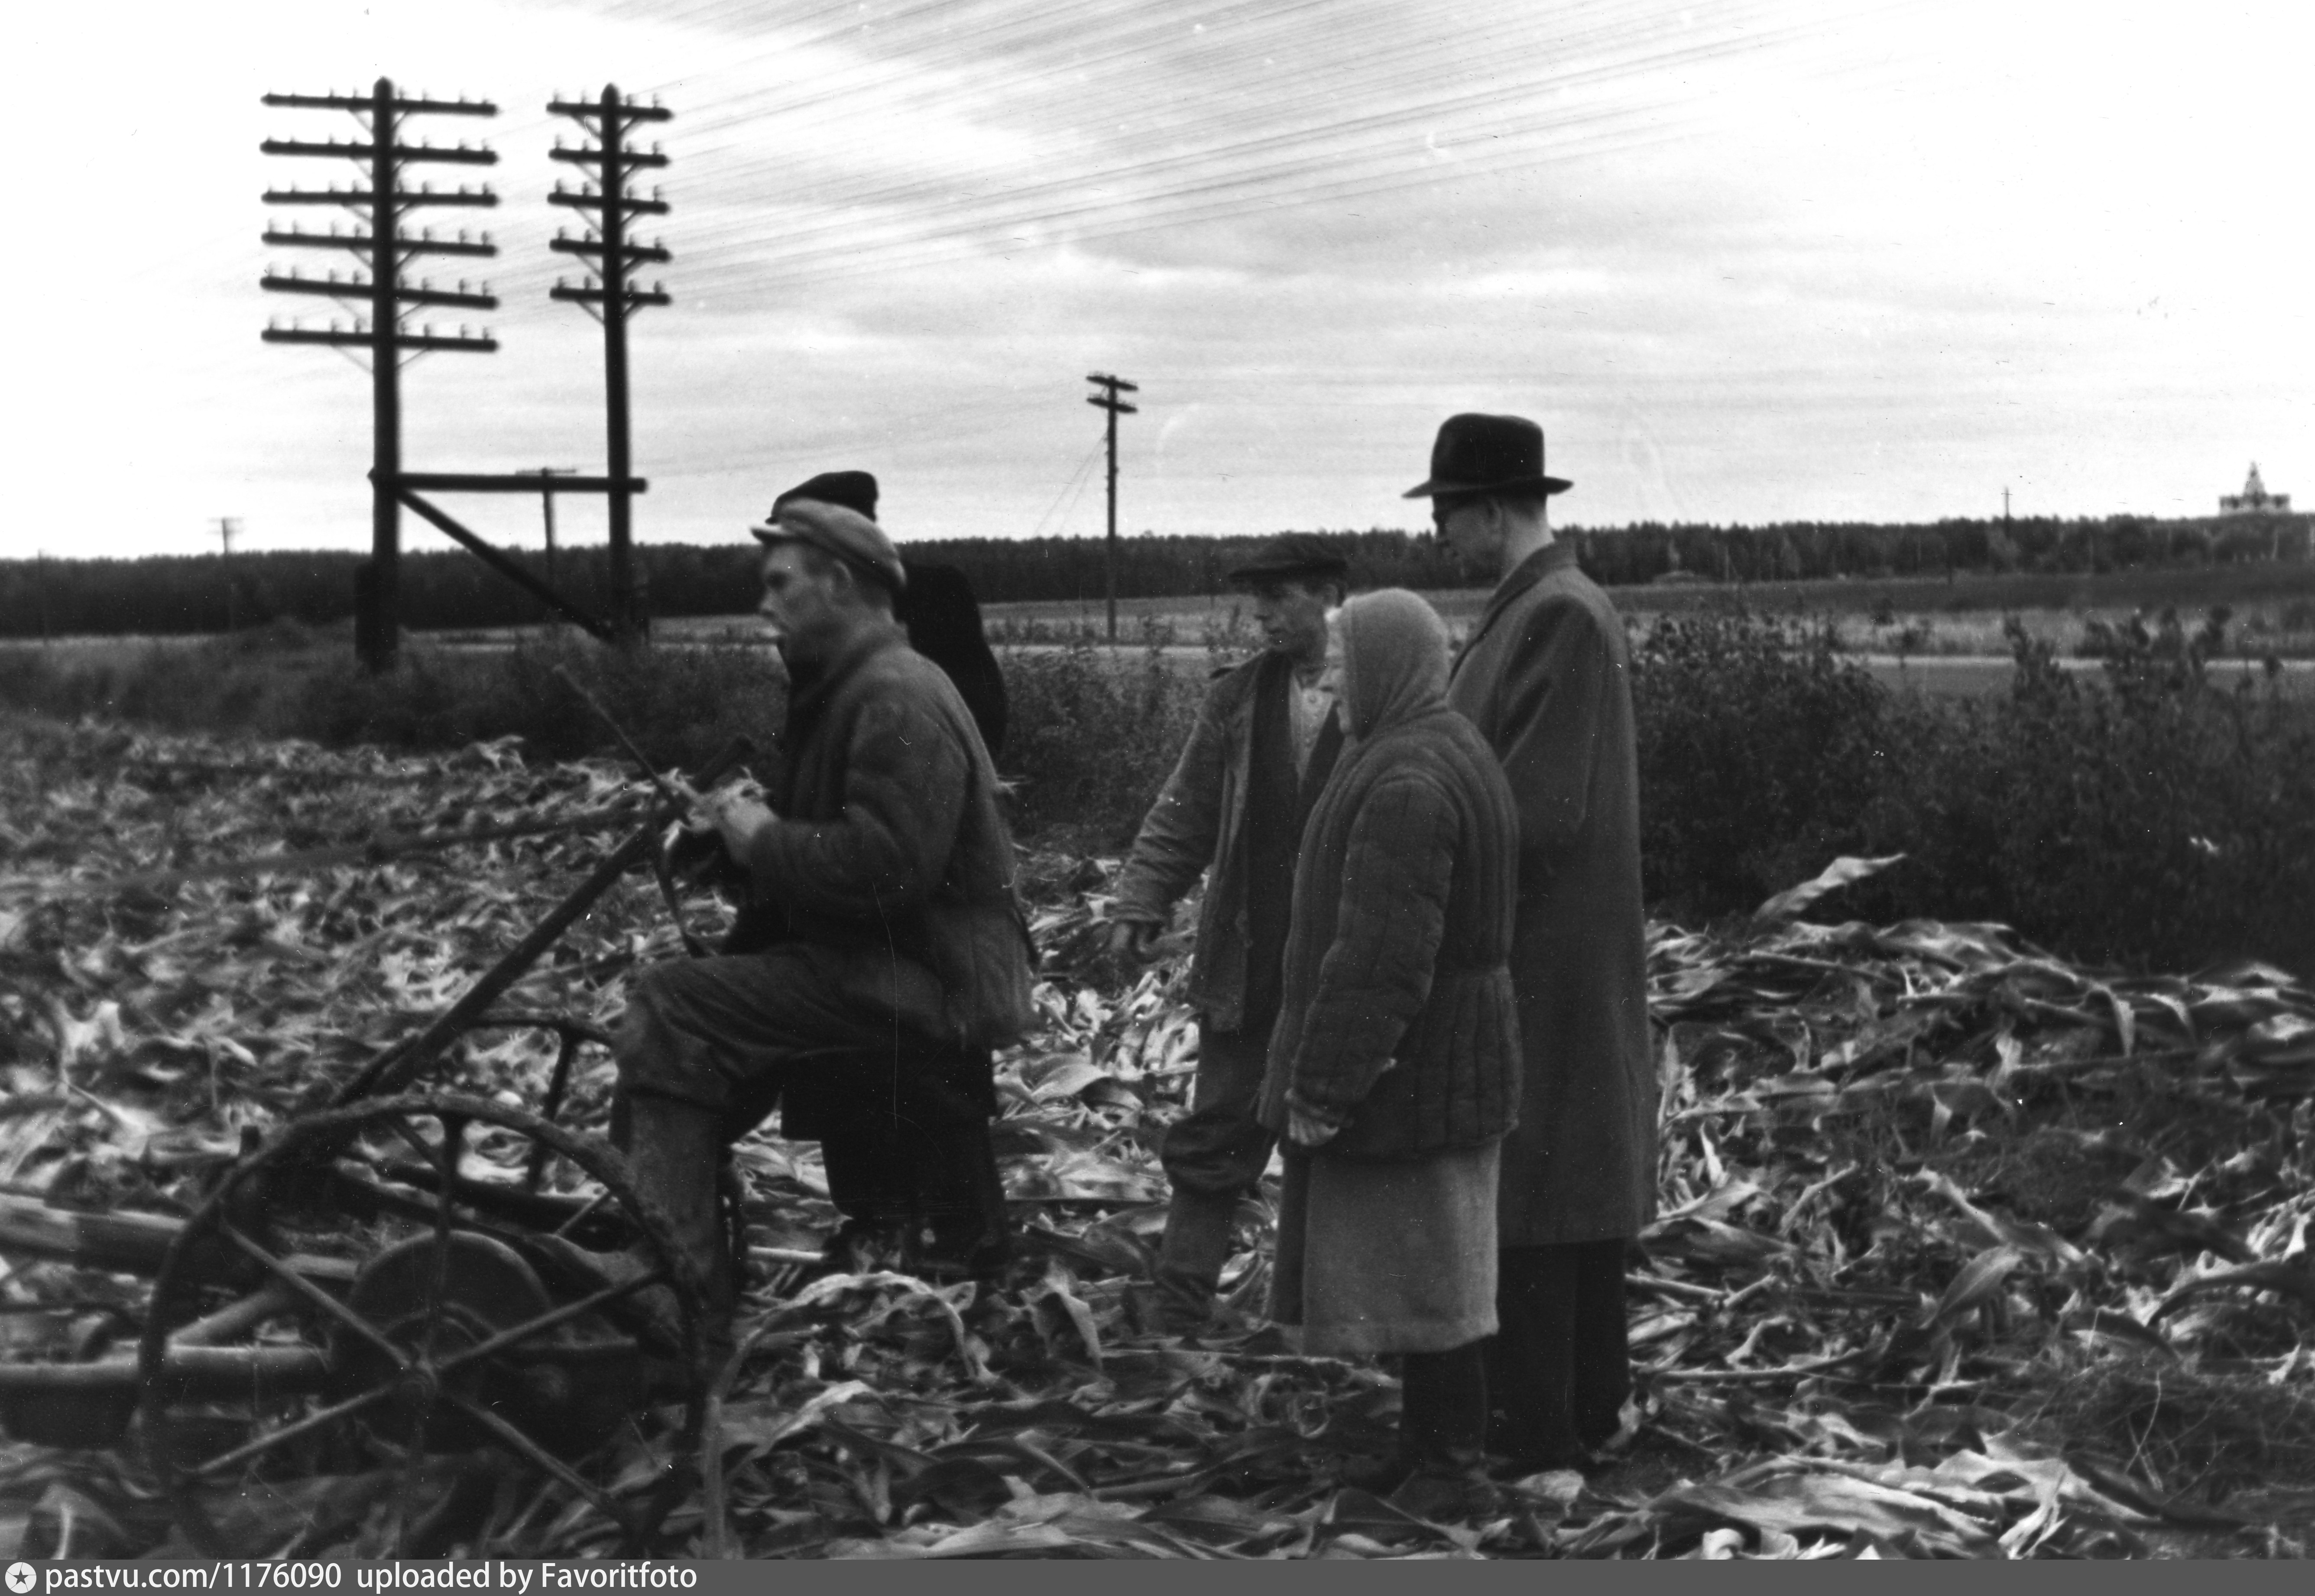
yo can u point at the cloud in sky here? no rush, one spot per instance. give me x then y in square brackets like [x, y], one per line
[1744, 261]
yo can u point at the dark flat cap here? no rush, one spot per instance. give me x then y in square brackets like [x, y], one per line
[834, 530]
[1295, 555]
[1485, 454]
[854, 490]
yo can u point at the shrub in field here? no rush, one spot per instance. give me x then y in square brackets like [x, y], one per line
[28, 680]
[236, 683]
[2147, 818]
[1094, 736]
[681, 705]
[1763, 754]
[2144, 818]
[285, 680]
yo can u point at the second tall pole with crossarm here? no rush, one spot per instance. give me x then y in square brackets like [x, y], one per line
[613, 257]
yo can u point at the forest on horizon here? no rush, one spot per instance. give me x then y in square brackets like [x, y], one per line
[444, 587]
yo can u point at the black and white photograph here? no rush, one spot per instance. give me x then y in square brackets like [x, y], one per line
[1155, 779]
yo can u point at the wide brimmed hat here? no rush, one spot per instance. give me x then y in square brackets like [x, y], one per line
[1294, 556]
[833, 529]
[1487, 454]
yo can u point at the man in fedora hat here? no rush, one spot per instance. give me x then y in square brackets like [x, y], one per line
[1262, 746]
[882, 857]
[1546, 677]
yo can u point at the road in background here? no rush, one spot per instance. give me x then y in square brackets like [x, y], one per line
[1943, 676]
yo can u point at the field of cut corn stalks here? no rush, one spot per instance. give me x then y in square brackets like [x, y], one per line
[1963, 1251]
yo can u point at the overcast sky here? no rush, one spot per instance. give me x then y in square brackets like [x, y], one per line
[1803, 259]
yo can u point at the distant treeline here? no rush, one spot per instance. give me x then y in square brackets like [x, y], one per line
[450, 589]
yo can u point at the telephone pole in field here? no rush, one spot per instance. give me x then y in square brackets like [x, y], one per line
[1108, 400]
[227, 527]
[611, 297]
[381, 244]
[546, 475]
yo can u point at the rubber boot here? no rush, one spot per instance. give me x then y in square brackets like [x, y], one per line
[1199, 1229]
[673, 1151]
[677, 1149]
[1443, 1430]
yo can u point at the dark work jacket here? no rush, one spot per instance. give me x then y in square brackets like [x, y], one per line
[944, 622]
[1547, 678]
[889, 845]
[1203, 819]
[1398, 1006]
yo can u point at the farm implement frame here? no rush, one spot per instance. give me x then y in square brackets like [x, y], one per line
[376, 1319]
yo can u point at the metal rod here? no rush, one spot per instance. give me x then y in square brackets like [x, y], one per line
[329, 1305]
[668, 789]
[201, 1371]
[534, 1169]
[128, 1243]
[537, 1454]
[398, 1066]
[320, 1418]
[552, 1319]
[269, 1299]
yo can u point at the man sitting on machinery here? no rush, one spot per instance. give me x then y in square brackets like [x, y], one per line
[900, 954]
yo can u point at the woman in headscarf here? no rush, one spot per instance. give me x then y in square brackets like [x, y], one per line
[1394, 1072]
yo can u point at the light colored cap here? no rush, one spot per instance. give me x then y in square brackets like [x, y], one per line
[831, 528]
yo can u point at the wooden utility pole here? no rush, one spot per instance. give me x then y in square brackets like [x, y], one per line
[608, 252]
[547, 507]
[1107, 400]
[228, 526]
[385, 248]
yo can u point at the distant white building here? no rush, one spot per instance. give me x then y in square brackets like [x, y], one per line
[2254, 499]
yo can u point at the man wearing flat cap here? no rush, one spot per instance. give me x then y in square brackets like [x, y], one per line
[1263, 744]
[935, 604]
[880, 849]
[1546, 677]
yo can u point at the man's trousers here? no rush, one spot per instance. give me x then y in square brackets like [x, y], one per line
[902, 1119]
[1213, 1156]
[1559, 1365]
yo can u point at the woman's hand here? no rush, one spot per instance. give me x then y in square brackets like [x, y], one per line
[1306, 1128]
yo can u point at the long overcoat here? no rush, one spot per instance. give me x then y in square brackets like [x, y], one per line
[1546, 677]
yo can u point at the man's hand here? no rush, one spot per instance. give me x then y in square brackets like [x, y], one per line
[733, 815]
[1305, 1129]
[1131, 939]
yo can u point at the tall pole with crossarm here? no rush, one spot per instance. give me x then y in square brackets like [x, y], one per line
[1108, 400]
[385, 247]
[613, 295]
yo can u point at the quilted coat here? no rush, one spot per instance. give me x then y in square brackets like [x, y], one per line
[889, 847]
[1399, 1010]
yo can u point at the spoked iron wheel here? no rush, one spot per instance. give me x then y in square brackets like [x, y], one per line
[375, 1336]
